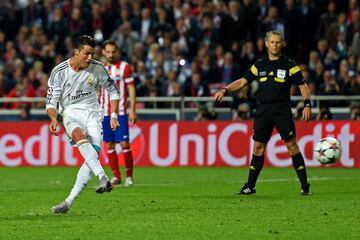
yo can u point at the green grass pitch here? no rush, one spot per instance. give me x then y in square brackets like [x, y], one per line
[182, 203]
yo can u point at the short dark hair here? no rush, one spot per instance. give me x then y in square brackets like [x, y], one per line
[83, 41]
[109, 42]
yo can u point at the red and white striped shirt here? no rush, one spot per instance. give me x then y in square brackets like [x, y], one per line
[122, 74]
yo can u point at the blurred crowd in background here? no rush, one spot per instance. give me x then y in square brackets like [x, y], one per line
[183, 47]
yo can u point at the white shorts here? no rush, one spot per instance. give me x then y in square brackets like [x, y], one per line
[90, 121]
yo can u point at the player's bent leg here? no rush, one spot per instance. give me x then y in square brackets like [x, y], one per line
[90, 155]
[299, 165]
[83, 177]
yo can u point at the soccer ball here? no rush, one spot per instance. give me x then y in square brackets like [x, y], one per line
[328, 150]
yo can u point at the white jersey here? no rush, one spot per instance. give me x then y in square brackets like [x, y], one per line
[78, 90]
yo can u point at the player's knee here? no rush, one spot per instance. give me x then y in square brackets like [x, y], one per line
[110, 145]
[259, 148]
[125, 145]
[292, 147]
[78, 134]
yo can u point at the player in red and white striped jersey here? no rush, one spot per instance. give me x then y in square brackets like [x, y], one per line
[122, 74]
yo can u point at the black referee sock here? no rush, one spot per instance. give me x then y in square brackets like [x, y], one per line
[299, 165]
[257, 163]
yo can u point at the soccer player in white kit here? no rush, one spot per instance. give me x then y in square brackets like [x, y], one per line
[121, 72]
[73, 87]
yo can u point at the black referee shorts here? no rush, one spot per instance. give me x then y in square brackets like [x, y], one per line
[268, 116]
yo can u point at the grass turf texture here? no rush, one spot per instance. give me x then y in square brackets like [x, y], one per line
[182, 203]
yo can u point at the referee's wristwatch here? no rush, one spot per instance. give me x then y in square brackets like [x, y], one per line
[307, 103]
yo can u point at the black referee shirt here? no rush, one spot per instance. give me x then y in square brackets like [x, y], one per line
[275, 79]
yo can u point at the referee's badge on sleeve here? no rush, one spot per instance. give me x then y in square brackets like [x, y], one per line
[281, 73]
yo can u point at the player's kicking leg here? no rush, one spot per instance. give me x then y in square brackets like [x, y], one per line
[83, 177]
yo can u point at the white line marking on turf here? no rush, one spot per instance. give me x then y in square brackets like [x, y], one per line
[312, 179]
[295, 179]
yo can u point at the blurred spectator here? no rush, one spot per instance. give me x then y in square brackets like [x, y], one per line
[313, 60]
[240, 98]
[229, 71]
[248, 56]
[250, 10]
[77, 25]
[324, 114]
[327, 19]
[272, 22]
[355, 88]
[338, 35]
[233, 25]
[57, 29]
[208, 70]
[167, 88]
[241, 113]
[355, 111]
[330, 86]
[291, 15]
[204, 114]
[308, 20]
[25, 113]
[146, 24]
[161, 27]
[196, 87]
[125, 38]
[209, 33]
[345, 78]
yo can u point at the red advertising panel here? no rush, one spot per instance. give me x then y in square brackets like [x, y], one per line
[168, 143]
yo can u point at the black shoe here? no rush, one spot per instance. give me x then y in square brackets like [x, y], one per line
[246, 190]
[305, 190]
[105, 186]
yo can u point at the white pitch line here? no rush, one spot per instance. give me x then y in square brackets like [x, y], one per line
[295, 179]
[312, 179]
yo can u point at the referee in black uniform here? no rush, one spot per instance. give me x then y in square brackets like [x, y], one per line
[275, 74]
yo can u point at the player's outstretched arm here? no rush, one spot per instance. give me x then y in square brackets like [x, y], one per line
[234, 86]
[305, 93]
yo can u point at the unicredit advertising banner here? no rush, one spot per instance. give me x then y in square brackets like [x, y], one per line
[166, 144]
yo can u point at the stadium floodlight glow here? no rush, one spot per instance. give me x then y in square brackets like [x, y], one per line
[182, 62]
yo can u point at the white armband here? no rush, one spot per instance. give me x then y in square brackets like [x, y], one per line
[114, 115]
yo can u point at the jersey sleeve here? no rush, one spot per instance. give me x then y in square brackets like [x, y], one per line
[54, 90]
[108, 83]
[128, 75]
[252, 73]
[295, 74]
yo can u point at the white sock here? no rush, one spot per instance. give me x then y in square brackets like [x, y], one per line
[83, 177]
[91, 158]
